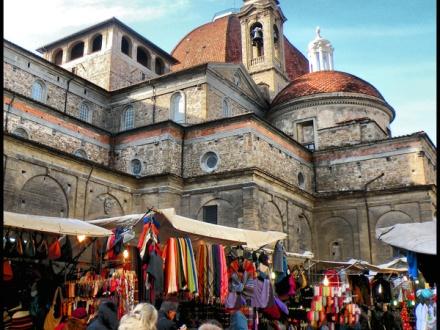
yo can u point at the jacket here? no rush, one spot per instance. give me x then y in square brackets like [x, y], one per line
[164, 323]
[107, 317]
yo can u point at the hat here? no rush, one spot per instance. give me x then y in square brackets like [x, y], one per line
[79, 313]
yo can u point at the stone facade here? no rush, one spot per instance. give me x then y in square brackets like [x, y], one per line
[247, 157]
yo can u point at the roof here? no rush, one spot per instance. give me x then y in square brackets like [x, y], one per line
[419, 237]
[325, 82]
[173, 225]
[105, 23]
[220, 41]
[64, 226]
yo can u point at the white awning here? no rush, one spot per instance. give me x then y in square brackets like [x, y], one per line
[418, 237]
[360, 265]
[63, 226]
[173, 225]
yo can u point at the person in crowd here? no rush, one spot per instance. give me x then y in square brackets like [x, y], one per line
[364, 319]
[376, 318]
[107, 317]
[238, 321]
[391, 321]
[167, 314]
[211, 325]
[143, 317]
[78, 320]
[324, 325]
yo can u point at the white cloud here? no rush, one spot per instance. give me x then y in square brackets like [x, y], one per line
[48, 20]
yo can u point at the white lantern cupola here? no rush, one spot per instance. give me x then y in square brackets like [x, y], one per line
[320, 53]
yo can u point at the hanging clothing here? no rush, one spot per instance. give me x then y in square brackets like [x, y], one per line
[421, 317]
[411, 258]
[278, 257]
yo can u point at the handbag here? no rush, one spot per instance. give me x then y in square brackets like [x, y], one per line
[29, 248]
[7, 271]
[54, 251]
[42, 249]
[10, 246]
[66, 250]
[50, 322]
[19, 247]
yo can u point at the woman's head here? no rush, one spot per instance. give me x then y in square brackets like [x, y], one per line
[143, 317]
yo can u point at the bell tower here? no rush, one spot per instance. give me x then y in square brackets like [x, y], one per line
[263, 44]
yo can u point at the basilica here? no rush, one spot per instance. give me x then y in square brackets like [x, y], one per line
[236, 126]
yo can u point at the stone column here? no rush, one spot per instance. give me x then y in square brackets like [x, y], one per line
[250, 208]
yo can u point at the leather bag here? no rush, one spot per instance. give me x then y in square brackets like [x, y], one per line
[54, 251]
[29, 248]
[42, 248]
[50, 322]
[19, 248]
[66, 250]
[7, 271]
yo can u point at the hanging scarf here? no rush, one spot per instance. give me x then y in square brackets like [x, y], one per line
[192, 275]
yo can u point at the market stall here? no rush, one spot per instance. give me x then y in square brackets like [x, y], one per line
[39, 254]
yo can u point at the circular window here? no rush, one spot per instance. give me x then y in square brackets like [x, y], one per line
[301, 180]
[80, 153]
[209, 161]
[136, 166]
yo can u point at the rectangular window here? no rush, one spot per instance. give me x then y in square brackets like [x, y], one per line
[306, 134]
[210, 214]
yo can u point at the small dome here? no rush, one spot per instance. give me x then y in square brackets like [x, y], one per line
[325, 82]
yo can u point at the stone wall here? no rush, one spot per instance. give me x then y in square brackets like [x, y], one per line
[215, 105]
[55, 130]
[349, 134]
[350, 168]
[343, 219]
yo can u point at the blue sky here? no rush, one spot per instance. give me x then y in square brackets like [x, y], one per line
[389, 43]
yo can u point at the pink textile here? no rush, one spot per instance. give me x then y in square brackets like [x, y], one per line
[224, 275]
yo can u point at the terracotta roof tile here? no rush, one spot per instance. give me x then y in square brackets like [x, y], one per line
[325, 82]
[220, 41]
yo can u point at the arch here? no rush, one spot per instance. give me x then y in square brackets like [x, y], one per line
[177, 106]
[104, 206]
[225, 211]
[77, 50]
[38, 91]
[383, 252]
[276, 40]
[126, 45]
[143, 57]
[85, 112]
[159, 66]
[43, 195]
[96, 43]
[226, 107]
[127, 118]
[271, 217]
[20, 131]
[335, 229]
[257, 39]
[301, 180]
[81, 153]
[58, 57]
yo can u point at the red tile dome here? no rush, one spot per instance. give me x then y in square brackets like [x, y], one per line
[220, 41]
[325, 82]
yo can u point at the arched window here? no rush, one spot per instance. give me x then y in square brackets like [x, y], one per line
[38, 91]
[159, 66]
[21, 132]
[80, 153]
[136, 166]
[226, 108]
[58, 57]
[84, 112]
[126, 45]
[128, 118]
[276, 40]
[97, 43]
[257, 40]
[77, 51]
[178, 107]
[143, 57]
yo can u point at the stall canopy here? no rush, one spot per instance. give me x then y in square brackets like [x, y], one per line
[418, 237]
[356, 266]
[173, 225]
[63, 226]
